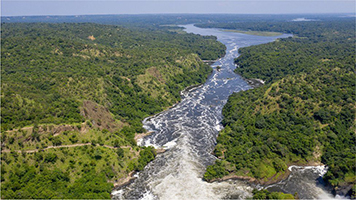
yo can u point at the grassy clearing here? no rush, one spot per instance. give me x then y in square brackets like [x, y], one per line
[31, 138]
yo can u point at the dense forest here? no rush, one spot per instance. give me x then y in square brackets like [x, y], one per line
[74, 95]
[305, 114]
[123, 70]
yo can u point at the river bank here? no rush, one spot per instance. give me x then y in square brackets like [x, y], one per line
[265, 182]
[257, 33]
[210, 62]
[254, 83]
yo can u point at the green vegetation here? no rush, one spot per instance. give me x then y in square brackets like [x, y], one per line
[290, 121]
[265, 194]
[81, 172]
[74, 95]
[49, 68]
[332, 42]
[50, 135]
[215, 171]
[304, 114]
[258, 33]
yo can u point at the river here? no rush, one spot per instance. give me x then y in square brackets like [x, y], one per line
[188, 132]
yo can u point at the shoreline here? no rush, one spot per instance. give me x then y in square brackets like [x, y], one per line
[270, 181]
[342, 190]
[131, 176]
[255, 33]
[123, 182]
[253, 181]
[253, 82]
[210, 62]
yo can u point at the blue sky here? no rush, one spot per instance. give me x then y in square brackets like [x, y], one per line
[82, 7]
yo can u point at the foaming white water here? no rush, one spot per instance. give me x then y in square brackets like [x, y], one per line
[181, 179]
[117, 192]
[321, 169]
[308, 181]
[170, 144]
[340, 197]
[147, 143]
[219, 127]
[148, 196]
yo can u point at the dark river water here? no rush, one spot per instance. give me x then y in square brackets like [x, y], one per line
[188, 132]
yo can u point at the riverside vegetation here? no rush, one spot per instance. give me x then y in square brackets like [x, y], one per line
[74, 95]
[305, 114]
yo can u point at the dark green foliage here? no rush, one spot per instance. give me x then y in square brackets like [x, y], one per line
[215, 171]
[50, 157]
[120, 152]
[324, 115]
[97, 154]
[56, 141]
[306, 111]
[28, 183]
[146, 156]
[265, 194]
[91, 186]
[73, 138]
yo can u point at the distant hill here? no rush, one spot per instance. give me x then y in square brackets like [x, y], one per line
[154, 20]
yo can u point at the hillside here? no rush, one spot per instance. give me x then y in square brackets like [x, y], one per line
[74, 95]
[305, 114]
[55, 63]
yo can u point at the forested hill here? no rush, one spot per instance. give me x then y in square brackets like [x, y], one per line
[47, 65]
[305, 114]
[74, 95]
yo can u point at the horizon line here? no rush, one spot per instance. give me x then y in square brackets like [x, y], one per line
[75, 15]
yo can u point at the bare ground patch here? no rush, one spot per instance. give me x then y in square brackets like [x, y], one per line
[100, 116]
